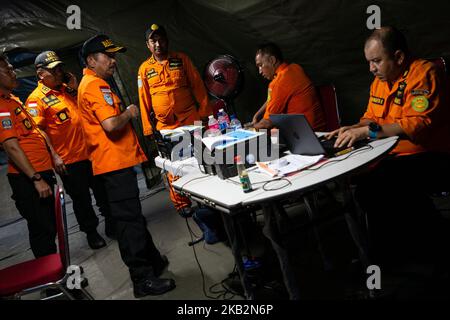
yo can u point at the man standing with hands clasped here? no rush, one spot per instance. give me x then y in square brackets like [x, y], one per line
[114, 150]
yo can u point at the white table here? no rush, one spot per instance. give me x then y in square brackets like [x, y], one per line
[228, 196]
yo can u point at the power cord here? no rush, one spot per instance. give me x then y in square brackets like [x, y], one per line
[365, 148]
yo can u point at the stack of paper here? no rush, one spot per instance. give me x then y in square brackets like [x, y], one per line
[287, 164]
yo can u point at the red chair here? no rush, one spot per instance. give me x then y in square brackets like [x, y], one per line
[48, 272]
[328, 99]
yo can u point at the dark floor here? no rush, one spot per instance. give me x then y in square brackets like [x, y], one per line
[337, 275]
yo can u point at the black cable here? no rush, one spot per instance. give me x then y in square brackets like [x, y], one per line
[199, 265]
[365, 148]
[289, 183]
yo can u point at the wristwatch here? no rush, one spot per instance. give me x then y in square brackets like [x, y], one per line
[374, 128]
[36, 177]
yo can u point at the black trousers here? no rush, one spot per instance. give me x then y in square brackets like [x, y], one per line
[39, 213]
[136, 245]
[403, 222]
[77, 181]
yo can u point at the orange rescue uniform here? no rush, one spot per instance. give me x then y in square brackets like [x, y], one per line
[418, 103]
[15, 122]
[56, 113]
[108, 151]
[169, 89]
[292, 92]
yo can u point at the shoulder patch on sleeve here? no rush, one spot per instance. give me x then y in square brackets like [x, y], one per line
[7, 124]
[420, 103]
[33, 112]
[139, 82]
[107, 95]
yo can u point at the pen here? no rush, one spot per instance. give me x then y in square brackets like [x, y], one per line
[340, 153]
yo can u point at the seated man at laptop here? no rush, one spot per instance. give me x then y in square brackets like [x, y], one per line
[407, 99]
[290, 90]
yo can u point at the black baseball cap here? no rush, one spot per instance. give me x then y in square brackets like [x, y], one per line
[100, 43]
[47, 59]
[155, 29]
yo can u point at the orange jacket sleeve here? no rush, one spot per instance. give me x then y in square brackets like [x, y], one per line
[7, 130]
[97, 93]
[197, 87]
[36, 109]
[145, 101]
[277, 100]
[420, 111]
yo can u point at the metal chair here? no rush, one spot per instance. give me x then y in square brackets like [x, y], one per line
[48, 272]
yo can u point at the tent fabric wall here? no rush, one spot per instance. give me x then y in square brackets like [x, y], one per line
[325, 37]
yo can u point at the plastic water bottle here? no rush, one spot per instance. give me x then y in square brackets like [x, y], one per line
[235, 123]
[225, 114]
[213, 127]
[223, 124]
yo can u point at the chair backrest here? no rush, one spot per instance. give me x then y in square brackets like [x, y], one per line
[61, 226]
[328, 99]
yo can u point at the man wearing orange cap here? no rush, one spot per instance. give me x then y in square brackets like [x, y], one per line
[171, 89]
[53, 106]
[30, 173]
[114, 151]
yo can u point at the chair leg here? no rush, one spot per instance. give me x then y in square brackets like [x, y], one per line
[86, 293]
[66, 292]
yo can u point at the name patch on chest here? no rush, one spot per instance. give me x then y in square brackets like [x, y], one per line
[377, 100]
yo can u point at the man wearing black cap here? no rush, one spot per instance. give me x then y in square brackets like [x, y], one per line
[171, 88]
[53, 106]
[114, 150]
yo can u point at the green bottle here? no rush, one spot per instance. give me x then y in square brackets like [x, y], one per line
[243, 175]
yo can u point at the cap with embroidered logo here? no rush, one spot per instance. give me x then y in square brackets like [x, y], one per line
[100, 43]
[47, 59]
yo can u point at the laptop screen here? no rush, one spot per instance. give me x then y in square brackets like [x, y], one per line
[297, 133]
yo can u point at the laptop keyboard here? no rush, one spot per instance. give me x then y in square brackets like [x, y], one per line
[331, 151]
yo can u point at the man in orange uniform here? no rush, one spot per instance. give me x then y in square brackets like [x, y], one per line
[171, 88]
[114, 151]
[30, 173]
[407, 99]
[53, 106]
[290, 90]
